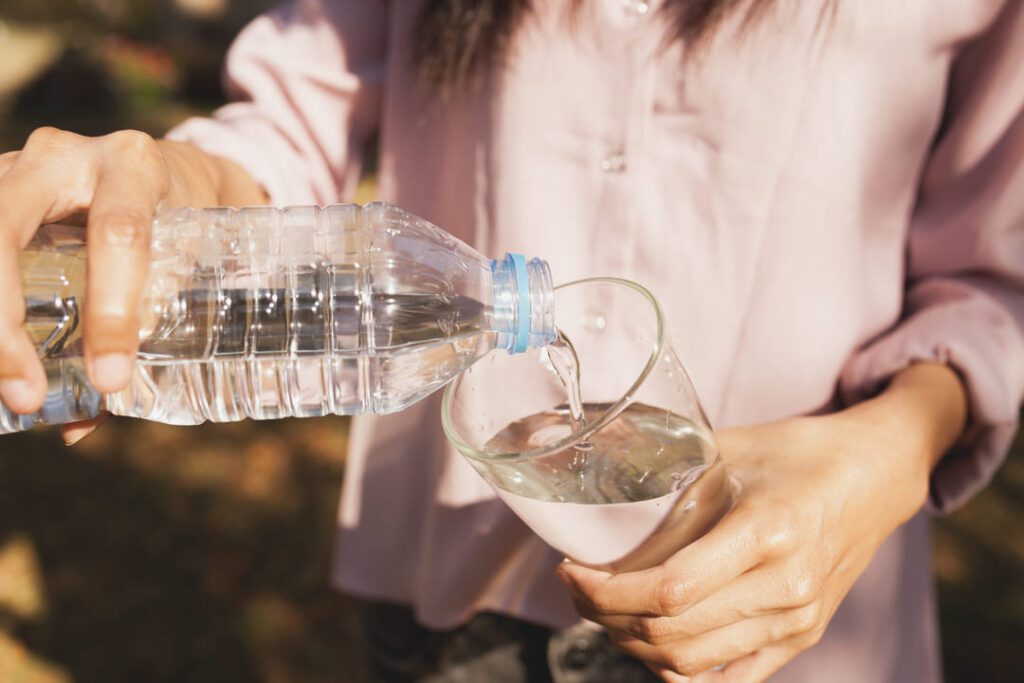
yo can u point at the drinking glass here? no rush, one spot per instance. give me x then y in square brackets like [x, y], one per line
[640, 477]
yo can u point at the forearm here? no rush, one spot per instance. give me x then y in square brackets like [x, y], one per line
[199, 178]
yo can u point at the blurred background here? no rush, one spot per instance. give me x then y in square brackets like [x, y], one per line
[152, 553]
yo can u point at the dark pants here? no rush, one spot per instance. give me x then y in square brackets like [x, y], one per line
[491, 648]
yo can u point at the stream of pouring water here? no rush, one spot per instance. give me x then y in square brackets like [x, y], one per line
[566, 363]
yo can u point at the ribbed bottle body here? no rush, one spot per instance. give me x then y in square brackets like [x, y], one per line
[269, 313]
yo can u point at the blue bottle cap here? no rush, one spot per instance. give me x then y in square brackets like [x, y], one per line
[523, 312]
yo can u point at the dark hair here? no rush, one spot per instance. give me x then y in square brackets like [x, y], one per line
[455, 38]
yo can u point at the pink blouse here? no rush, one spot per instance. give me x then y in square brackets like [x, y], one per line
[816, 203]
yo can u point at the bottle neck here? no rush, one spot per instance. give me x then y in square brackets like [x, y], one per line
[523, 301]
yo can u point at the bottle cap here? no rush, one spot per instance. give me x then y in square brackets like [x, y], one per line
[523, 313]
[522, 303]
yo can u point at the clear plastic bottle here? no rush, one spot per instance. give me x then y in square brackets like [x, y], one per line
[269, 313]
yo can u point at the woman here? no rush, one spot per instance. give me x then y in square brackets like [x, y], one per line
[825, 196]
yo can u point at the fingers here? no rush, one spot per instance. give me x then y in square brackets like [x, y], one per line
[745, 598]
[74, 432]
[670, 676]
[755, 667]
[118, 242]
[120, 178]
[22, 380]
[25, 203]
[769, 589]
[42, 182]
[689, 576]
[718, 648]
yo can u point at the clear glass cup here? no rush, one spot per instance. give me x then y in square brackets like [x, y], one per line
[640, 478]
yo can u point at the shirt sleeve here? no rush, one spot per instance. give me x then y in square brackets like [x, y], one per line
[306, 82]
[965, 295]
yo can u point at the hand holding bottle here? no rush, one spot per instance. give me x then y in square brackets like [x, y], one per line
[259, 312]
[121, 180]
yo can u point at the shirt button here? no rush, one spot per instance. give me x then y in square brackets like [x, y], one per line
[636, 8]
[615, 162]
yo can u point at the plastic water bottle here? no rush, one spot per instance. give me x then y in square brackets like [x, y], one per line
[268, 313]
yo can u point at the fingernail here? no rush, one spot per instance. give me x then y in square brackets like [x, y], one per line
[112, 371]
[16, 392]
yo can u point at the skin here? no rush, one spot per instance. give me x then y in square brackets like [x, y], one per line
[818, 495]
[122, 180]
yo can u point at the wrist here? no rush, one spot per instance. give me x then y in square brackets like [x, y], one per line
[917, 419]
[931, 400]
